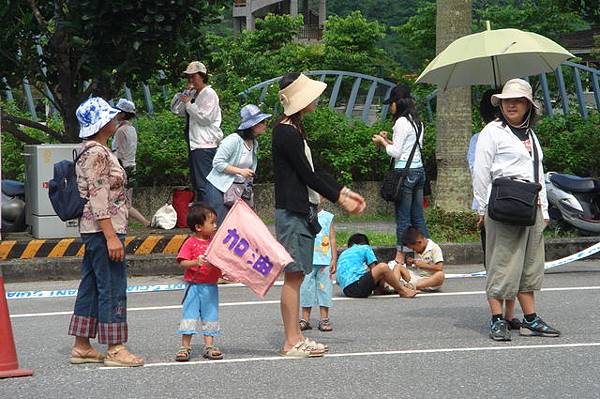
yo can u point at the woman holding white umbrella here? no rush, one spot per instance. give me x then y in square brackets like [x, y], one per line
[508, 148]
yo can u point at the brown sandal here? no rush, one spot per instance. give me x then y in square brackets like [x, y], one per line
[183, 354]
[325, 325]
[91, 355]
[212, 353]
[121, 357]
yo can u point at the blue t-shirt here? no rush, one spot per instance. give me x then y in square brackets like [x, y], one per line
[322, 249]
[353, 263]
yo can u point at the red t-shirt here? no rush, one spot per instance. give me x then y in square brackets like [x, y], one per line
[190, 250]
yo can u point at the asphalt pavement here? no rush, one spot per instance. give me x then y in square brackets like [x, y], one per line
[433, 346]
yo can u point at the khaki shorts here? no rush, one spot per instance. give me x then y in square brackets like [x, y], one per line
[515, 257]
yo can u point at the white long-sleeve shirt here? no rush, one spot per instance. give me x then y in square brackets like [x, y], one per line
[500, 153]
[403, 140]
[124, 144]
[205, 118]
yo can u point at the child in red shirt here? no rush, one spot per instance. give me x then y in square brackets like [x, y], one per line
[201, 299]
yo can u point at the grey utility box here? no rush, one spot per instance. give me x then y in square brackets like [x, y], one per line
[39, 169]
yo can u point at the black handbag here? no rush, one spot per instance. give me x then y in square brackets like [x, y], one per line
[391, 185]
[312, 219]
[515, 201]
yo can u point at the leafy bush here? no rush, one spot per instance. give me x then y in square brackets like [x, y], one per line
[571, 143]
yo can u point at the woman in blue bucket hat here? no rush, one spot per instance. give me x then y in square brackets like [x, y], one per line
[101, 304]
[234, 165]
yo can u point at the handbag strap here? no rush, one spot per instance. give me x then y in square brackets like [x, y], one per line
[536, 169]
[412, 152]
[532, 139]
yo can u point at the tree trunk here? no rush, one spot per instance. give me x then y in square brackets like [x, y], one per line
[453, 186]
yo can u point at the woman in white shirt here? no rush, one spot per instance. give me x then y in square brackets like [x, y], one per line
[515, 254]
[409, 209]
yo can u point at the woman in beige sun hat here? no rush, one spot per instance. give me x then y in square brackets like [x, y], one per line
[508, 147]
[297, 189]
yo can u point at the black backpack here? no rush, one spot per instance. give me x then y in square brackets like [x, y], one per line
[63, 191]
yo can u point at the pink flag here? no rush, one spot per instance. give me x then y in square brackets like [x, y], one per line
[246, 251]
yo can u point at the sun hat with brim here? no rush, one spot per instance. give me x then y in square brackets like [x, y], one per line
[125, 106]
[251, 116]
[398, 92]
[195, 67]
[300, 93]
[515, 88]
[93, 114]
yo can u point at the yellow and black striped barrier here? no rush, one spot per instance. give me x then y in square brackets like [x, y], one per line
[134, 245]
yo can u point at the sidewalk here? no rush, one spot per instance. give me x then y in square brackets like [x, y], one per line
[151, 252]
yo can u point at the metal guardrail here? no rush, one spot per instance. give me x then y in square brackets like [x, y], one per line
[555, 92]
[339, 77]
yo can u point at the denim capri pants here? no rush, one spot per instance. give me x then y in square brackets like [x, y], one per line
[317, 288]
[101, 304]
[200, 310]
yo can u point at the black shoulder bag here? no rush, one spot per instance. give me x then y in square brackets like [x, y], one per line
[391, 186]
[515, 201]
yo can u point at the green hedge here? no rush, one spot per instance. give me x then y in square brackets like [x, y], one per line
[341, 146]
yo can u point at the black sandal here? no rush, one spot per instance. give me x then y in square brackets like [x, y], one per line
[305, 325]
[325, 325]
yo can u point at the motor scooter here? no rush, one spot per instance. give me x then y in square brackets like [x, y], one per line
[13, 206]
[575, 201]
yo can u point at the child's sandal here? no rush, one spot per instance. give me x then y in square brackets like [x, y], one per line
[212, 353]
[183, 354]
[325, 325]
[305, 325]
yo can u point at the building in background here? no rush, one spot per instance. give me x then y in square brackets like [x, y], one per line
[245, 13]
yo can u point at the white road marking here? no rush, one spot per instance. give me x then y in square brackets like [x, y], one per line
[273, 302]
[367, 354]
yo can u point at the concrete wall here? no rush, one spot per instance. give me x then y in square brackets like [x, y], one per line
[148, 199]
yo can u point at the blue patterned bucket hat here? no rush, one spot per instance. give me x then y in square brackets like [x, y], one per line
[93, 114]
[251, 116]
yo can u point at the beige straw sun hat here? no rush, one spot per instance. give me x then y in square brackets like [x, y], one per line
[515, 88]
[300, 93]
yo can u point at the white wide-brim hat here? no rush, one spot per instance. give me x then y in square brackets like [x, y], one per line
[251, 116]
[125, 105]
[93, 114]
[515, 88]
[300, 93]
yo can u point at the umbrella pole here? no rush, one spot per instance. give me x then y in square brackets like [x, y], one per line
[494, 72]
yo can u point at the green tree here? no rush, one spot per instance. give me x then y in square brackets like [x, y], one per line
[546, 17]
[351, 43]
[83, 47]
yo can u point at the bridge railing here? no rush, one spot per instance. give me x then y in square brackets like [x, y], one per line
[355, 94]
[571, 88]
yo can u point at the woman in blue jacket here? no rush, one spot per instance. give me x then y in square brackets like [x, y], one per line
[236, 159]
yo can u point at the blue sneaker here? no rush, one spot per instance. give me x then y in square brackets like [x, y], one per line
[538, 328]
[500, 330]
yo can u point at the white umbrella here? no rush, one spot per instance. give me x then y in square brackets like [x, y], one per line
[493, 57]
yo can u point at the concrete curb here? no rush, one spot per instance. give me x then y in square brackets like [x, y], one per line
[154, 264]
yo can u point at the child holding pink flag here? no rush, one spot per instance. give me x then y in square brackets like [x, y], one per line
[201, 298]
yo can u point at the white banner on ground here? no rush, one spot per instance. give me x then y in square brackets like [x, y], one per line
[181, 286]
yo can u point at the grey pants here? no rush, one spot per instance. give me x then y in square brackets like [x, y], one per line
[515, 257]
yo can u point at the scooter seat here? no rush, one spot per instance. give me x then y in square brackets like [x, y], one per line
[575, 184]
[13, 188]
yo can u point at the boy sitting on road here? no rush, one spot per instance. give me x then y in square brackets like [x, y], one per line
[359, 273]
[426, 272]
